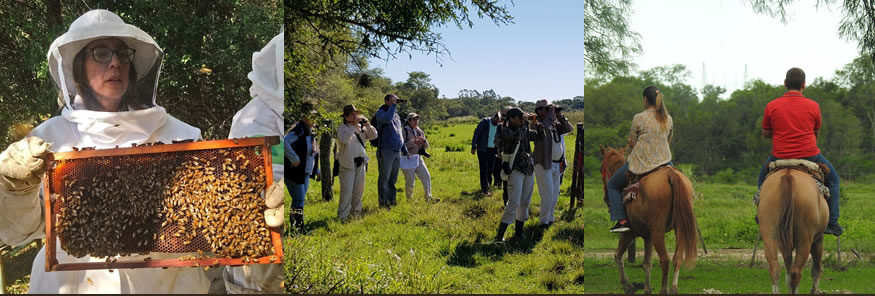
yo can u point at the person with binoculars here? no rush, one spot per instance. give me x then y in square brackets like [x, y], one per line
[353, 161]
[413, 164]
[518, 168]
[390, 147]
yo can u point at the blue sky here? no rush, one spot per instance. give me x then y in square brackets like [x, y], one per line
[539, 56]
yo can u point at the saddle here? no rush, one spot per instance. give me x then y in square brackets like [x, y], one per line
[631, 191]
[817, 171]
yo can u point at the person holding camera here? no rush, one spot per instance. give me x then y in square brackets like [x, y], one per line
[389, 150]
[353, 161]
[549, 155]
[518, 166]
[414, 139]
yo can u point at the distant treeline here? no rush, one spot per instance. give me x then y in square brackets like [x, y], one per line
[721, 136]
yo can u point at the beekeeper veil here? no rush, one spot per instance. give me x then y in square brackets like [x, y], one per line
[132, 125]
[98, 24]
[267, 74]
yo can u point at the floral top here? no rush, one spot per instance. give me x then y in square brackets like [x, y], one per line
[651, 148]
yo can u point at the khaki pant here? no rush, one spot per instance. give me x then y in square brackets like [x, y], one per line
[519, 187]
[548, 188]
[352, 186]
[410, 175]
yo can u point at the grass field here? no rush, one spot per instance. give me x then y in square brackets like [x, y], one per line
[418, 247]
[725, 215]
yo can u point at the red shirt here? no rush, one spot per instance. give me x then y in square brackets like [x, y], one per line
[793, 119]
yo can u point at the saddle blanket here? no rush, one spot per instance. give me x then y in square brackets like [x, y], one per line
[816, 171]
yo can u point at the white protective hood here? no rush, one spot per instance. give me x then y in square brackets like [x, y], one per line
[109, 129]
[267, 74]
[262, 116]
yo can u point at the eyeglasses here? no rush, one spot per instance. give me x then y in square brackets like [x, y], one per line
[103, 55]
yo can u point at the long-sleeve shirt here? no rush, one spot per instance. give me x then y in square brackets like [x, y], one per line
[390, 130]
[409, 135]
[350, 139]
[554, 129]
[511, 136]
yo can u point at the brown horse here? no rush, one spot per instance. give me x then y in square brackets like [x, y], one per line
[664, 203]
[793, 215]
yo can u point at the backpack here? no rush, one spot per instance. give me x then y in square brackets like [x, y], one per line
[376, 141]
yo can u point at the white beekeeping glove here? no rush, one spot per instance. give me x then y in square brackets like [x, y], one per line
[22, 164]
[274, 199]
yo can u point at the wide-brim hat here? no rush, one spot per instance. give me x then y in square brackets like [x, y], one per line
[542, 104]
[349, 109]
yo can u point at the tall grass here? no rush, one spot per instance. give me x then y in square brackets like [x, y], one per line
[419, 247]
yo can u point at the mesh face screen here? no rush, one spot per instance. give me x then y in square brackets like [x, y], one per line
[176, 202]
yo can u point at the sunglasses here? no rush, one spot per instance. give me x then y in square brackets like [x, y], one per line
[103, 55]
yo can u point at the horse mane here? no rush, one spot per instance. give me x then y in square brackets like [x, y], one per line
[684, 219]
[785, 218]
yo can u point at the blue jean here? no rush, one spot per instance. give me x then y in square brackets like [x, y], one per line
[615, 192]
[831, 180]
[298, 192]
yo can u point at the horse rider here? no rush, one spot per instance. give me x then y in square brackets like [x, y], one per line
[648, 140]
[793, 123]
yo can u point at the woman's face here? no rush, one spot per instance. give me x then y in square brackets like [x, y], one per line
[108, 79]
[413, 122]
[352, 117]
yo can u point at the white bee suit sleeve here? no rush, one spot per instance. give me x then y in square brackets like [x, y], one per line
[79, 127]
[262, 116]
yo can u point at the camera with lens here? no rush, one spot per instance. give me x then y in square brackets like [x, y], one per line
[423, 153]
[326, 123]
[401, 101]
[359, 161]
[363, 121]
[532, 116]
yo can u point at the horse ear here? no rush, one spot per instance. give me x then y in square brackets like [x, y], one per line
[601, 150]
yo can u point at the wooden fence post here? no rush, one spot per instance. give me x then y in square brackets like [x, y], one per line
[327, 165]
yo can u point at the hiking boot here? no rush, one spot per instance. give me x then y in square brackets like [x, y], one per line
[297, 218]
[502, 228]
[621, 227]
[834, 229]
[518, 230]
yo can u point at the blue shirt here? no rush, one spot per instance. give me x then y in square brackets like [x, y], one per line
[490, 143]
[389, 130]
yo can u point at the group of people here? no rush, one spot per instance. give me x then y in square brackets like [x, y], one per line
[502, 143]
[107, 74]
[399, 147]
[792, 121]
[506, 158]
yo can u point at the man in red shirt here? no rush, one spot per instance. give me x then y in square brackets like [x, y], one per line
[793, 123]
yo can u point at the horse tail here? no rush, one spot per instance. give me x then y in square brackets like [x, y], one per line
[684, 220]
[785, 218]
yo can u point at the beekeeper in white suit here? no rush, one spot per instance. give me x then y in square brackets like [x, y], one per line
[263, 116]
[107, 73]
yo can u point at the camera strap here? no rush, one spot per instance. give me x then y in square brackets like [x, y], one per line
[360, 140]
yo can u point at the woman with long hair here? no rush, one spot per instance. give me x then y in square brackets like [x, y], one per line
[649, 140]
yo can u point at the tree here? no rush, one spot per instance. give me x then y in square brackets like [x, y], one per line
[608, 39]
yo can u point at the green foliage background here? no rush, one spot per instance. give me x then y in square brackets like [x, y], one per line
[219, 35]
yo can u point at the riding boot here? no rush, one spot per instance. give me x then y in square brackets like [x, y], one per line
[518, 230]
[502, 228]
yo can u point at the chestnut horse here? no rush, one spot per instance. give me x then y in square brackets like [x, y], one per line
[664, 203]
[793, 215]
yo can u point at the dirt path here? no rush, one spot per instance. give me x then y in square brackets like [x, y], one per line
[722, 254]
